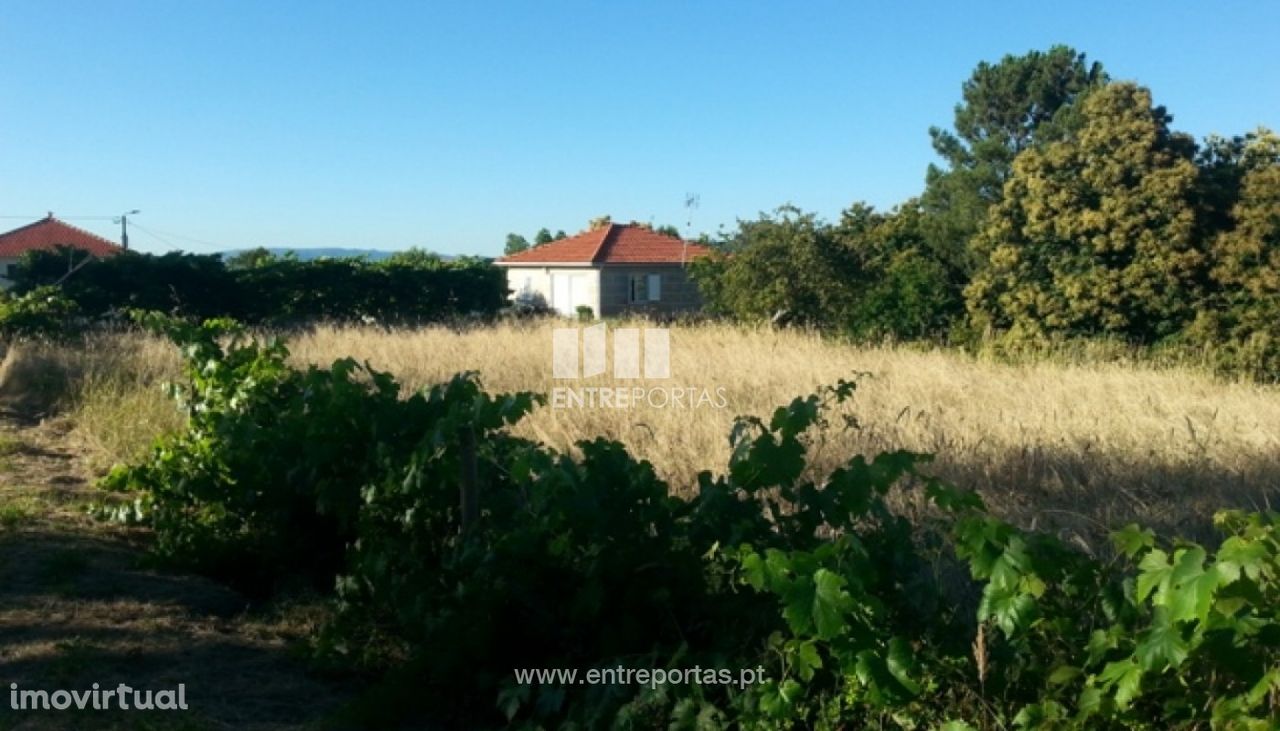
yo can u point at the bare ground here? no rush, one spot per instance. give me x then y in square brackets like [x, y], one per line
[78, 607]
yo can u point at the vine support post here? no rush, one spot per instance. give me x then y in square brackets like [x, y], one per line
[469, 479]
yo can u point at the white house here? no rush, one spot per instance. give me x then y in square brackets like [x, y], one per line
[613, 269]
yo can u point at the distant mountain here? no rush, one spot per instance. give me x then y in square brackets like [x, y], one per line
[330, 252]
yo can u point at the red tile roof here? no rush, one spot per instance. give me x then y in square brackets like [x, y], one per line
[49, 233]
[613, 244]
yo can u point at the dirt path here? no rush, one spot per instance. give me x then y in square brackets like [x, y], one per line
[77, 607]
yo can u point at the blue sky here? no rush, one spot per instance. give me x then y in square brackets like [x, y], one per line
[389, 125]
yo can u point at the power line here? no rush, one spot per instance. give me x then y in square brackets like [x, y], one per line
[158, 234]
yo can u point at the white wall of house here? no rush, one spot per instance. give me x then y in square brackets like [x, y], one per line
[563, 288]
[5, 263]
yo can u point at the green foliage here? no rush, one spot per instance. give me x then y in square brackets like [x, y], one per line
[857, 616]
[43, 312]
[1095, 235]
[263, 486]
[1245, 307]
[1008, 107]
[867, 276]
[903, 290]
[257, 288]
[1066, 209]
[786, 266]
[515, 244]
[251, 258]
[192, 283]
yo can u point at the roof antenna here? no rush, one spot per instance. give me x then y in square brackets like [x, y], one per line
[691, 202]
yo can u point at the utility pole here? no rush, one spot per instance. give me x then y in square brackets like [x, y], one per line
[124, 228]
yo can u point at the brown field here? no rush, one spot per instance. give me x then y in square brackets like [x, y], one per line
[1078, 448]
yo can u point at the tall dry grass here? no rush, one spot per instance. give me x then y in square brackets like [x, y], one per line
[1084, 447]
[1071, 447]
[110, 386]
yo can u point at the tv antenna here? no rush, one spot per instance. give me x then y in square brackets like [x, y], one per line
[691, 202]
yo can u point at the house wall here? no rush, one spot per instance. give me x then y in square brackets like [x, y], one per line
[5, 263]
[542, 281]
[678, 292]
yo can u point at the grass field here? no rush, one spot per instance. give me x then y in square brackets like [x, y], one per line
[1077, 448]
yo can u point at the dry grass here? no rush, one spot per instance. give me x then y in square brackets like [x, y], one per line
[111, 385]
[1074, 447]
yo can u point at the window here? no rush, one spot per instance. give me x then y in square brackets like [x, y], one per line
[11, 270]
[645, 288]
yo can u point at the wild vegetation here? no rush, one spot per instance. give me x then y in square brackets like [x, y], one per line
[1081, 440]
[588, 559]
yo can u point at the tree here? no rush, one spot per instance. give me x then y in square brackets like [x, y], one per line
[250, 258]
[1008, 107]
[414, 258]
[1244, 311]
[1224, 163]
[896, 287]
[515, 244]
[543, 237]
[1247, 257]
[1095, 234]
[786, 266]
[668, 230]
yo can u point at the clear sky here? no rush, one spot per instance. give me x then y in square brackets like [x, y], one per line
[447, 125]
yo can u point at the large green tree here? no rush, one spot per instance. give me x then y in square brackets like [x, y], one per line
[1007, 107]
[1243, 313]
[1095, 234]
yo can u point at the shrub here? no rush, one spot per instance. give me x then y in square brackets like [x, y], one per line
[409, 288]
[263, 485]
[43, 312]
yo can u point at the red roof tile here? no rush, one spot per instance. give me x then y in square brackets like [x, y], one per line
[49, 233]
[612, 244]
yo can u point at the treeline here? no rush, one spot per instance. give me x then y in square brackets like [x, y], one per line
[1065, 207]
[259, 288]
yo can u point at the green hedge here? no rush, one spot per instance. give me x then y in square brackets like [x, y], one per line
[274, 290]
